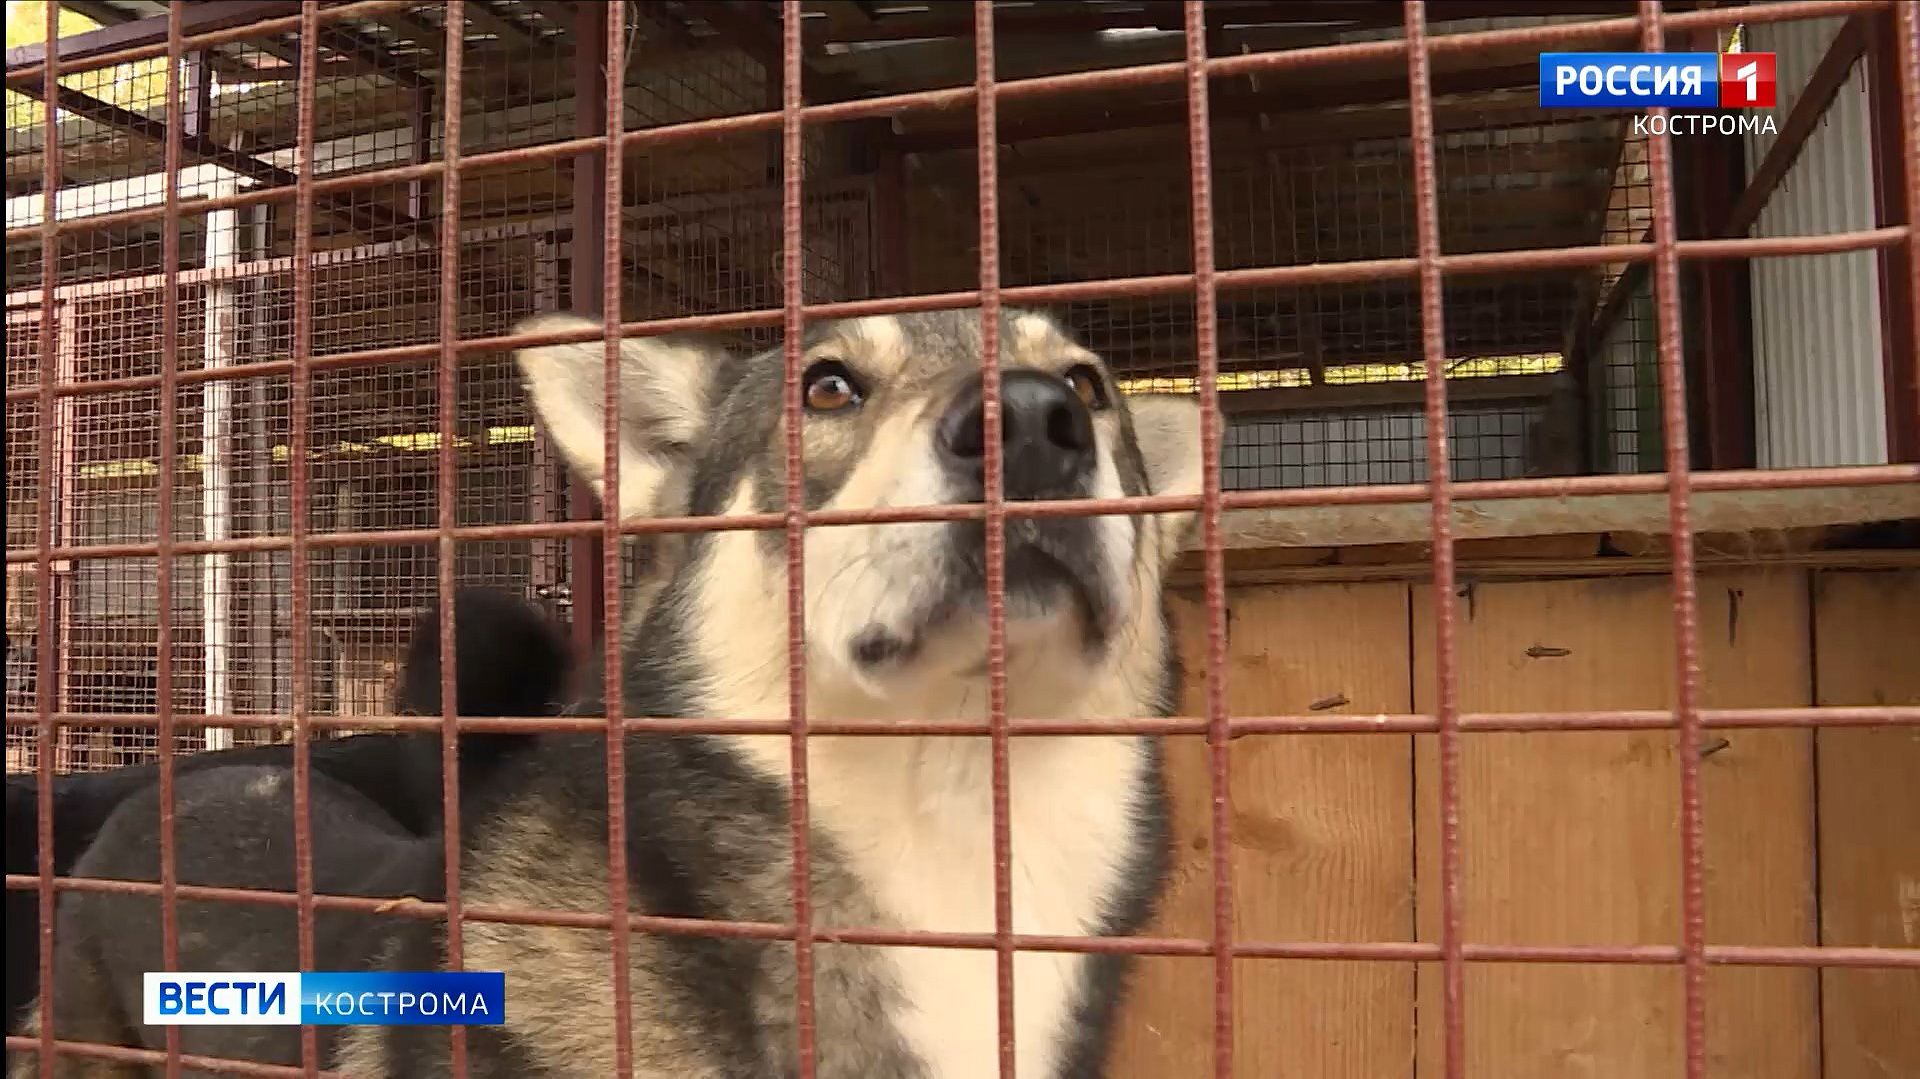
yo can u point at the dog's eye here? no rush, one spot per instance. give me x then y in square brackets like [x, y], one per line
[1086, 382]
[830, 387]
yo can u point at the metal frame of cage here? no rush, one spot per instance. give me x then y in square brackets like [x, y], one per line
[1661, 253]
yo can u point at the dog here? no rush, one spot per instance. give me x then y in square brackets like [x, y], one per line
[513, 663]
[901, 824]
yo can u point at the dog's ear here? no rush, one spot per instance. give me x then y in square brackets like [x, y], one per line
[664, 401]
[1166, 427]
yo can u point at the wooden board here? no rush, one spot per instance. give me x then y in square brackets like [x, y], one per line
[1322, 847]
[1573, 838]
[1867, 635]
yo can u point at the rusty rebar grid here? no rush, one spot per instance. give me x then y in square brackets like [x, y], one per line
[1446, 693]
[1686, 597]
[794, 521]
[44, 684]
[447, 486]
[300, 477]
[1863, 957]
[613, 685]
[1371, 495]
[1798, 718]
[1619, 31]
[169, 452]
[987, 158]
[1319, 273]
[1907, 52]
[1212, 437]
[1429, 267]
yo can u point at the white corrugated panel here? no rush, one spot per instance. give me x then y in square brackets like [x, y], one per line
[1819, 386]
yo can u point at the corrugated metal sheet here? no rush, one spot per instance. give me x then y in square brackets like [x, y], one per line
[1818, 378]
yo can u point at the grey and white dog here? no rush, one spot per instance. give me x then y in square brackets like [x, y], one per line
[895, 633]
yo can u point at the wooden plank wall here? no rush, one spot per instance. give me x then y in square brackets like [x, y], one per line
[1568, 838]
[1869, 820]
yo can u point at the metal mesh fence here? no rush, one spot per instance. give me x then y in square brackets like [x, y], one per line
[261, 409]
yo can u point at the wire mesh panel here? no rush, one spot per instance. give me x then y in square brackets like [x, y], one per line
[703, 237]
[268, 273]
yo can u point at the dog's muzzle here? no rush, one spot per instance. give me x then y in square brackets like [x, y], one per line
[1047, 452]
[1046, 439]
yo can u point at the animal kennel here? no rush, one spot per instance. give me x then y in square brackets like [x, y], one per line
[1551, 708]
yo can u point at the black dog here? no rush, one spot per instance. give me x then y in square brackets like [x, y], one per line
[511, 663]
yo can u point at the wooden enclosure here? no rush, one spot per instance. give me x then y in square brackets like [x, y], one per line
[1569, 838]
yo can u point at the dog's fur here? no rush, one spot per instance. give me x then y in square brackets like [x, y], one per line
[512, 663]
[896, 633]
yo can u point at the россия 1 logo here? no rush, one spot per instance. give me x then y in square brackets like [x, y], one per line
[1677, 80]
[1746, 80]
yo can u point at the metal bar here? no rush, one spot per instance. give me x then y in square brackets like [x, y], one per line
[610, 545]
[589, 209]
[1206, 345]
[169, 454]
[793, 296]
[299, 471]
[1908, 53]
[1800, 718]
[1666, 301]
[258, 265]
[1372, 495]
[1802, 956]
[1892, 162]
[131, 1057]
[447, 401]
[986, 150]
[44, 684]
[1155, 285]
[1439, 479]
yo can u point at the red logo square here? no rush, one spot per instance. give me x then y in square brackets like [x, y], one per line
[1746, 80]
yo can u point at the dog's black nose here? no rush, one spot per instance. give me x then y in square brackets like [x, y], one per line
[1046, 434]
